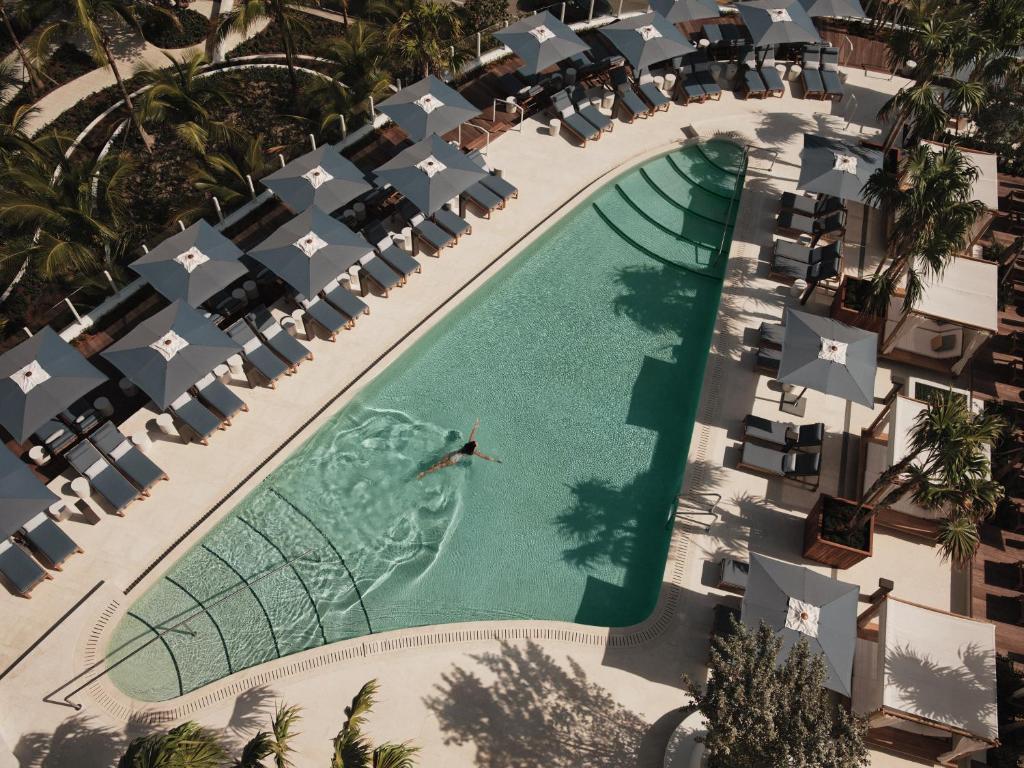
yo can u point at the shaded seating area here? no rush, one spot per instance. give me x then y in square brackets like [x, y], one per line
[113, 487]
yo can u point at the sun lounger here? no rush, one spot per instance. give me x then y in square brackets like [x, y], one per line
[650, 93]
[104, 478]
[782, 433]
[200, 420]
[627, 102]
[452, 223]
[795, 252]
[81, 416]
[259, 356]
[791, 465]
[589, 112]
[343, 300]
[702, 73]
[770, 75]
[213, 392]
[810, 76]
[423, 229]
[48, 541]
[393, 256]
[732, 575]
[19, 570]
[373, 269]
[127, 458]
[811, 206]
[324, 315]
[771, 334]
[277, 338]
[572, 121]
[830, 74]
[500, 186]
[753, 85]
[484, 199]
[795, 224]
[688, 87]
[789, 271]
[767, 360]
[54, 436]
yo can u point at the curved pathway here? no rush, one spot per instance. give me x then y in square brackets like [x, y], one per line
[479, 694]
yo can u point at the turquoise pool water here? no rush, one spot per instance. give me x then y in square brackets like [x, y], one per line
[583, 360]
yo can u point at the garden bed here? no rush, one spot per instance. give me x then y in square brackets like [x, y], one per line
[158, 30]
[310, 37]
[828, 538]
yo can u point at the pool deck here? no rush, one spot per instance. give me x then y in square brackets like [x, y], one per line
[489, 694]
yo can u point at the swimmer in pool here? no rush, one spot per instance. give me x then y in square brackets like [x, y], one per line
[454, 457]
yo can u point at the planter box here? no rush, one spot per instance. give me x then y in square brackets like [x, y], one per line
[850, 315]
[827, 552]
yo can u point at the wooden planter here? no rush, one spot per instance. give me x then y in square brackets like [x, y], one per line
[829, 552]
[845, 313]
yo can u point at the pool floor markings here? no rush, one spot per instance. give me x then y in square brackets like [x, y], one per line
[243, 580]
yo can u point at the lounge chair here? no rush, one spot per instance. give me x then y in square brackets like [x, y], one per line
[790, 465]
[732, 575]
[259, 356]
[590, 113]
[81, 416]
[583, 130]
[20, 571]
[104, 478]
[768, 360]
[200, 420]
[493, 183]
[343, 300]
[483, 198]
[753, 84]
[324, 315]
[810, 76]
[54, 436]
[702, 73]
[782, 433]
[688, 87]
[215, 394]
[806, 205]
[127, 458]
[48, 541]
[770, 75]
[372, 269]
[789, 271]
[794, 224]
[393, 256]
[795, 252]
[280, 341]
[650, 93]
[452, 223]
[425, 230]
[629, 105]
[830, 74]
[771, 334]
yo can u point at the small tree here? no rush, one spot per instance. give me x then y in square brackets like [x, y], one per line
[353, 748]
[763, 714]
[481, 14]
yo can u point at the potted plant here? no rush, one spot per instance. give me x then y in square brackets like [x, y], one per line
[828, 536]
[849, 304]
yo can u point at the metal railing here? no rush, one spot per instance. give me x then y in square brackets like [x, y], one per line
[245, 585]
[737, 190]
[687, 498]
[506, 103]
[486, 133]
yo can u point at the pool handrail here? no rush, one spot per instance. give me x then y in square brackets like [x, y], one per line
[737, 189]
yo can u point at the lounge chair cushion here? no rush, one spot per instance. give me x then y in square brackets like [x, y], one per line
[753, 83]
[214, 393]
[399, 260]
[797, 464]
[49, 540]
[286, 346]
[802, 204]
[21, 571]
[501, 186]
[766, 430]
[769, 359]
[380, 272]
[452, 222]
[772, 78]
[483, 196]
[435, 236]
[196, 416]
[326, 315]
[772, 333]
[653, 95]
[809, 435]
[346, 301]
[136, 465]
[102, 476]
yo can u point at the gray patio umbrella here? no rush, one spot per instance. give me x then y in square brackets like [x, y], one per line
[192, 265]
[685, 10]
[797, 602]
[777, 22]
[427, 107]
[832, 167]
[647, 39]
[22, 494]
[835, 9]
[38, 379]
[540, 41]
[169, 352]
[827, 356]
[430, 173]
[322, 177]
[310, 251]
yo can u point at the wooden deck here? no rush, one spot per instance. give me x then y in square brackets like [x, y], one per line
[995, 587]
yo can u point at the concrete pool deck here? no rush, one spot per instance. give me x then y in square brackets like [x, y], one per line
[441, 686]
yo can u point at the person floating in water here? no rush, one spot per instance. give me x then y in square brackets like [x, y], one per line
[454, 457]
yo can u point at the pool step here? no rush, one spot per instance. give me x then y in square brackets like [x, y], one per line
[723, 154]
[672, 186]
[678, 221]
[699, 171]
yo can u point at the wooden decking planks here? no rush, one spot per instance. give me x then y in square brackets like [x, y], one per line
[994, 589]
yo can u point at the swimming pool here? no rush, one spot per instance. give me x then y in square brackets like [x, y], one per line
[583, 359]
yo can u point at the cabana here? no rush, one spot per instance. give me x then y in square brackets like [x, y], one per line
[926, 681]
[986, 185]
[885, 443]
[955, 315]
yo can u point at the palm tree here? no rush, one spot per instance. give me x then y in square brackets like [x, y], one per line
[178, 96]
[423, 35]
[188, 745]
[275, 743]
[946, 467]
[14, 137]
[353, 749]
[934, 214]
[225, 173]
[287, 15]
[67, 222]
[35, 77]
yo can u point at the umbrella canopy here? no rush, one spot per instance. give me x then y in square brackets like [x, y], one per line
[677, 11]
[540, 41]
[427, 107]
[322, 177]
[830, 357]
[835, 9]
[192, 265]
[647, 39]
[169, 352]
[22, 494]
[310, 251]
[777, 22]
[430, 173]
[832, 167]
[39, 378]
[797, 602]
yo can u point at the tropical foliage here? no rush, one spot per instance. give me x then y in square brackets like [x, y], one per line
[762, 713]
[353, 749]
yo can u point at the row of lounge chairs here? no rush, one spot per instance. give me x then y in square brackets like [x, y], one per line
[579, 117]
[782, 449]
[760, 78]
[694, 81]
[58, 433]
[793, 261]
[115, 468]
[820, 73]
[43, 538]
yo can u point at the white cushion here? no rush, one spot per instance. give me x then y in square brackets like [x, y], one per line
[95, 468]
[251, 345]
[120, 450]
[35, 522]
[183, 400]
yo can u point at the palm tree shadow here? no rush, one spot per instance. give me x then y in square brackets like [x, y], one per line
[521, 708]
[76, 741]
